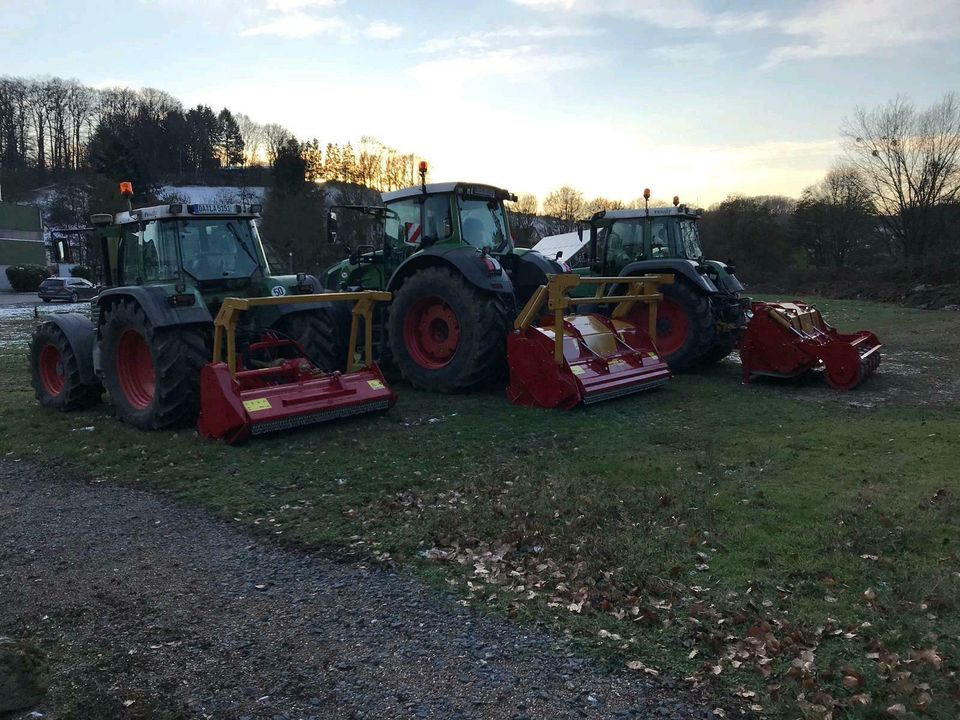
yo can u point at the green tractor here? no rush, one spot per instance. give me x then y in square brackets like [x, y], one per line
[447, 256]
[167, 270]
[702, 314]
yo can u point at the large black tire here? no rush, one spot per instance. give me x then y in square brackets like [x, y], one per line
[152, 374]
[55, 372]
[424, 349]
[700, 328]
[721, 348]
[324, 341]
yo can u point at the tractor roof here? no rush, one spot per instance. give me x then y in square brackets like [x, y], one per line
[680, 211]
[461, 188]
[180, 210]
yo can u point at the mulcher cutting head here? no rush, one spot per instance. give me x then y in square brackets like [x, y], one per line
[290, 391]
[789, 339]
[560, 361]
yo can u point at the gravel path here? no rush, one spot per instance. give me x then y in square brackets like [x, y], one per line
[151, 610]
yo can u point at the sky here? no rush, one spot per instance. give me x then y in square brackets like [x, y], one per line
[696, 98]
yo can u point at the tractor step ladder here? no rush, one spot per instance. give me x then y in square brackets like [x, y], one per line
[236, 403]
[787, 339]
[560, 360]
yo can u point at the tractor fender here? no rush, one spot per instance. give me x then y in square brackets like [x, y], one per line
[464, 260]
[156, 305]
[727, 281]
[533, 269]
[81, 334]
[684, 268]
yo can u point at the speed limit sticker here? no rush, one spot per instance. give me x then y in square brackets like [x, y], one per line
[278, 291]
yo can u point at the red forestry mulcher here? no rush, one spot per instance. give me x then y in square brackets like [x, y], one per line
[788, 339]
[560, 360]
[279, 386]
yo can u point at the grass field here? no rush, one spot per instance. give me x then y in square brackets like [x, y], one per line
[787, 546]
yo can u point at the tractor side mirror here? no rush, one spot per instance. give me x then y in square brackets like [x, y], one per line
[332, 228]
[558, 255]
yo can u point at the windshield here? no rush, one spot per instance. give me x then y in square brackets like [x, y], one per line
[690, 240]
[484, 224]
[218, 248]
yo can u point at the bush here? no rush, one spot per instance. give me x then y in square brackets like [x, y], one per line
[82, 271]
[26, 278]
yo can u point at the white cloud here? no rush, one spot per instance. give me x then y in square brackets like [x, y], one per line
[523, 63]
[380, 30]
[835, 28]
[675, 14]
[482, 40]
[297, 25]
[690, 53]
[298, 19]
[293, 5]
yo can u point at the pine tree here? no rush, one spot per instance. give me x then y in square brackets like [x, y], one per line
[230, 145]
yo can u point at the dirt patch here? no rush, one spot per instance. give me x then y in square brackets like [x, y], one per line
[150, 610]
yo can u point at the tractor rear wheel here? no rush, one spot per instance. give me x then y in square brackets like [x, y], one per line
[721, 348]
[324, 342]
[446, 335]
[152, 374]
[685, 325]
[55, 372]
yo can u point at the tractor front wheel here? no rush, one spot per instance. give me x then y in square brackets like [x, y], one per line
[685, 326]
[446, 335]
[152, 374]
[55, 372]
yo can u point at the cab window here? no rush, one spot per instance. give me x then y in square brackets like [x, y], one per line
[436, 218]
[405, 227]
[659, 238]
[625, 242]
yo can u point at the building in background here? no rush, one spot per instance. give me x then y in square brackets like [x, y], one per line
[21, 238]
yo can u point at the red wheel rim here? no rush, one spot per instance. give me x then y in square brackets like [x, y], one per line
[51, 370]
[135, 370]
[673, 326]
[431, 332]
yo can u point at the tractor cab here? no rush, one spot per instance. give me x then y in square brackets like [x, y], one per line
[207, 245]
[702, 315]
[433, 219]
[196, 254]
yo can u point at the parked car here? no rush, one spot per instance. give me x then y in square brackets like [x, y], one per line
[67, 289]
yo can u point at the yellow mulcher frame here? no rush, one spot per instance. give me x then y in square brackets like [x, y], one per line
[225, 324]
[640, 288]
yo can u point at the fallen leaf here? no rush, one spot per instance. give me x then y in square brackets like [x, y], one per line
[870, 594]
[898, 710]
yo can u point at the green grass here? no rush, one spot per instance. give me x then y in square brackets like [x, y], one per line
[707, 524]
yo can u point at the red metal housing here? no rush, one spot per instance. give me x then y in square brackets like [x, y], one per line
[290, 394]
[603, 358]
[789, 339]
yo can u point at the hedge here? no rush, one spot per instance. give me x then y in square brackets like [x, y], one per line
[27, 278]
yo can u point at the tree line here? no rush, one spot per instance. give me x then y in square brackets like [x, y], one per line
[889, 208]
[52, 129]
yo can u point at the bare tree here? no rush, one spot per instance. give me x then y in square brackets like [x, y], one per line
[910, 163]
[835, 217]
[523, 216]
[566, 204]
[81, 102]
[275, 137]
[602, 203]
[253, 139]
